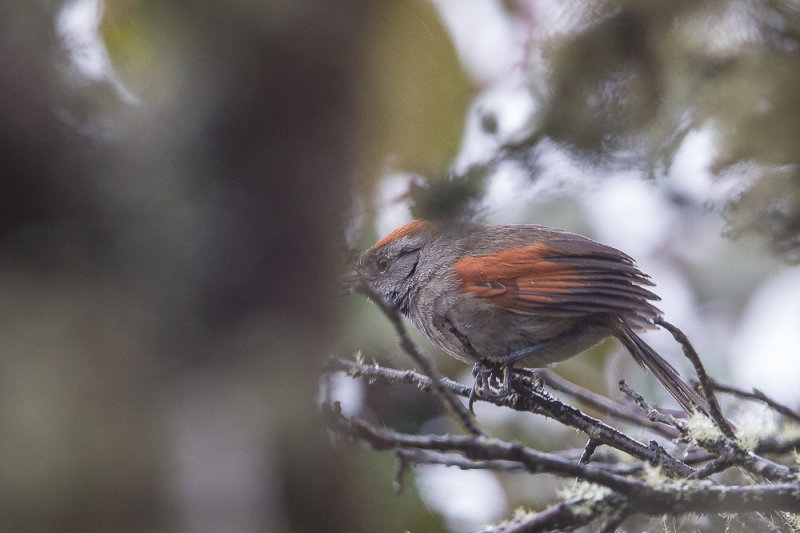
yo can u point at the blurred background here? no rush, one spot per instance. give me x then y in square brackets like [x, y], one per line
[182, 184]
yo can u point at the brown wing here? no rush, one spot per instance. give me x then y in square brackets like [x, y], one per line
[571, 279]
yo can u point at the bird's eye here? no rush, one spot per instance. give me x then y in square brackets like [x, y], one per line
[382, 264]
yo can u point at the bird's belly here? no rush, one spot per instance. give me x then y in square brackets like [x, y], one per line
[502, 336]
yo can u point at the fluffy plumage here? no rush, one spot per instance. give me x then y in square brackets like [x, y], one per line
[523, 293]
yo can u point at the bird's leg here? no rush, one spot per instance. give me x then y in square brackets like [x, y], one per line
[507, 370]
[509, 360]
[485, 369]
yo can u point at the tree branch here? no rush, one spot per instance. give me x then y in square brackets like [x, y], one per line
[759, 396]
[669, 497]
[657, 483]
[476, 448]
[702, 375]
[535, 402]
[455, 407]
[603, 404]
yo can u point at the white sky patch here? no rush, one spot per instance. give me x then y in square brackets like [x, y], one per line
[629, 214]
[78, 25]
[492, 45]
[765, 351]
[488, 41]
[509, 193]
[467, 499]
[347, 391]
[512, 106]
[393, 203]
[689, 173]
[552, 18]
[678, 302]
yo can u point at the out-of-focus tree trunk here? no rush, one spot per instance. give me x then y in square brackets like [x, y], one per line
[205, 231]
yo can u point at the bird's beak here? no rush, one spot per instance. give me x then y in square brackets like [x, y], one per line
[349, 281]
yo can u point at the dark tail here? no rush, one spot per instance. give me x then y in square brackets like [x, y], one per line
[647, 358]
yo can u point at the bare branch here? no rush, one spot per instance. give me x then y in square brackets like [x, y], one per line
[476, 448]
[448, 459]
[757, 395]
[702, 375]
[535, 401]
[676, 497]
[455, 407]
[373, 372]
[564, 516]
[603, 404]
[677, 486]
[588, 451]
[651, 412]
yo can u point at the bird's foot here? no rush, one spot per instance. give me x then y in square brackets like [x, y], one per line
[492, 382]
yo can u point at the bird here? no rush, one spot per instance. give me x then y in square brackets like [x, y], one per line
[498, 296]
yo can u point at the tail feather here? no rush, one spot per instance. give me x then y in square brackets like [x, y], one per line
[647, 358]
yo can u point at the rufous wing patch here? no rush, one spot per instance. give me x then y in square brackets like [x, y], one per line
[501, 266]
[534, 279]
[508, 278]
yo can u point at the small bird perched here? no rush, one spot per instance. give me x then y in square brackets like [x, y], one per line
[498, 295]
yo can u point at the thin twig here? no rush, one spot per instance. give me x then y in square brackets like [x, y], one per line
[537, 401]
[715, 466]
[588, 450]
[374, 371]
[757, 395]
[450, 401]
[400, 469]
[449, 459]
[692, 491]
[564, 516]
[706, 382]
[477, 447]
[651, 412]
[540, 403]
[534, 401]
[770, 470]
[618, 515]
[667, 498]
[748, 460]
[603, 404]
